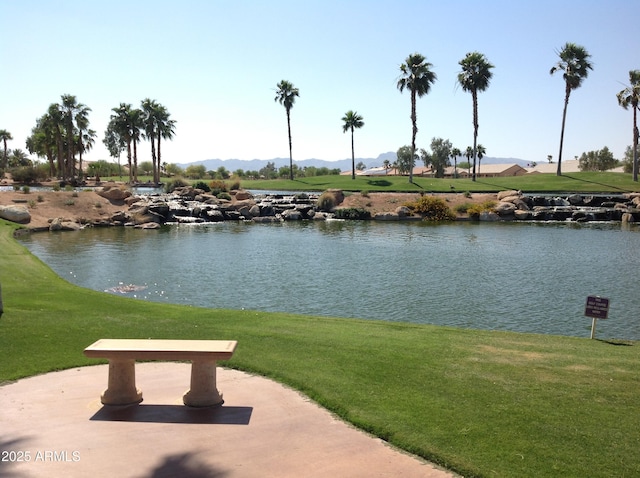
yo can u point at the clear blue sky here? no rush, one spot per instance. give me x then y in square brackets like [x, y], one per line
[215, 64]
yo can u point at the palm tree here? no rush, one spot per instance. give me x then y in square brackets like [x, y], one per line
[119, 132]
[475, 77]
[575, 65]
[73, 115]
[469, 153]
[166, 128]
[351, 121]
[157, 126]
[286, 95]
[386, 164]
[86, 136]
[630, 96]
[417, 77]
[4, 137]
[480, 152]
[455, 152]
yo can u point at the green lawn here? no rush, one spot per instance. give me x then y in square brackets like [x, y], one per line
[587, 182]
[480, 403]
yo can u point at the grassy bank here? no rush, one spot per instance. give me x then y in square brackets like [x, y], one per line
[481, 403]
[549, 183]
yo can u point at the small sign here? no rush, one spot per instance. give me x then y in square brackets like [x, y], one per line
[597, 307]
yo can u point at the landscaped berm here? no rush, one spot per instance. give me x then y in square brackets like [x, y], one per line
[478, 403]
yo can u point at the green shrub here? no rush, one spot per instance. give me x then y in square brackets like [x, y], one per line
[32, 204]
[463, 208]
[202, 185]
[175, 183]
[26, 189]
[467, 194]
[74, 194]
[364, 194]
[56, 187]
[16, 187]
[69, 202]
[352, 213]
[40, 198]
[235, 185]
[326, 201]
[431, 209]
[224, 195]
[476, 209]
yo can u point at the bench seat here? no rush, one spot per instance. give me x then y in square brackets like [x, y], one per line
[122, 354]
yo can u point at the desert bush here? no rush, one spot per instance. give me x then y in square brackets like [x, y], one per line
[235, 185]
[69, 202]
[26, 189]
[364, 193]
[202, 185]
[431, 209]
[467, 194]
[476, 209]
[40, 198]
[217, 186]
[326, 201]
[463, 208]
[32, 204]
[224, 195]
[352, 213]
[175, 183]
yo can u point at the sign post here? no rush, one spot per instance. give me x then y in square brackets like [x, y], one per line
[597, 308]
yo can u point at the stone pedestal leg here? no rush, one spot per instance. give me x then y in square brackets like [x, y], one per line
[203, 392]
[121, 389]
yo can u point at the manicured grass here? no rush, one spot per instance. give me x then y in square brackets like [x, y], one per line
[481, 403]
[587, 182]
[575, 182]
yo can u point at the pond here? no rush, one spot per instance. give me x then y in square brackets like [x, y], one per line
[524, 277]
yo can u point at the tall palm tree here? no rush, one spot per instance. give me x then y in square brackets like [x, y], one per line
[120, 126]
[455, 152]
[286, 95]
[630, 96]
[475, 77]
[71, 110]
[85, 135]
[575, 65]
[166, 130]
[351, 121]
[4, 137]
[157, 126]
[417, 77]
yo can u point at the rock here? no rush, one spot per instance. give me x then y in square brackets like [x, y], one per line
[511, 199]
[242, 195]
[489, 216]
[148, 225]
[403, 211]
[386, 216]
[266, 219]
[292, 215]
[19, 214]
[505, 208]
[521, 215]
[575, 200]
[113, 194]
[521, 205]
[504, 194]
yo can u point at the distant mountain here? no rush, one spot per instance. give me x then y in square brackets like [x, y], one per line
[343, 164]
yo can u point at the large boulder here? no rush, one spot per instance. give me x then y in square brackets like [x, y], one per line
[19, 214]
[504, 194]
[113, 193]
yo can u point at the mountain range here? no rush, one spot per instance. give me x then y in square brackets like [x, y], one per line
[343, 164]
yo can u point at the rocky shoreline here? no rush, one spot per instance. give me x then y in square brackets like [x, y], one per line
[118, 206]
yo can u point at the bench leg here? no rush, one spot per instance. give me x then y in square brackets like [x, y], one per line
[203, 392]
[121, 389]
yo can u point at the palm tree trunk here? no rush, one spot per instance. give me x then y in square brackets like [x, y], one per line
[153, 156]
[135, 161]
[635, 145]
[474, 96]
[564, 119]
[157, 181]
[290, 146]
[353, 158]
[414, 122]
[129, 161]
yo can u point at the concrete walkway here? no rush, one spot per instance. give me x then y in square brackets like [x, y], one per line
[56, 424]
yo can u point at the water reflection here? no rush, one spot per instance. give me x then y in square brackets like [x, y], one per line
[522, 277]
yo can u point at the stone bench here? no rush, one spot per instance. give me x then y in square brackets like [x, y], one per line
[123, 353]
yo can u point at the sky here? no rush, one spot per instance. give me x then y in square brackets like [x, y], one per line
[215, 65]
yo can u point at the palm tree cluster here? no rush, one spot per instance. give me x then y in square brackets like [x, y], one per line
[128, 126]
[62, 135]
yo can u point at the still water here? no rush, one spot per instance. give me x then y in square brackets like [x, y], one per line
[523, 277]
